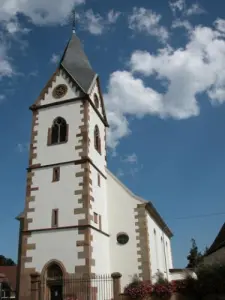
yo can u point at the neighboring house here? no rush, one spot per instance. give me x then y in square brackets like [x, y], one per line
[78, 217]
[216, 253]
[179, 274]
[8, 282]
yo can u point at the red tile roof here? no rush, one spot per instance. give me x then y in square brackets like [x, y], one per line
[9, 273]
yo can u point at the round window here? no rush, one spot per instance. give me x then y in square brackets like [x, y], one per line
[59, 91]
[122, 238]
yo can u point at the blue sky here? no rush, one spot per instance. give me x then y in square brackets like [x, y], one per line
[161, 67]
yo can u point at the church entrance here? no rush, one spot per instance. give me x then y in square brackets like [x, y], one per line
[56, 292]
[54, 282]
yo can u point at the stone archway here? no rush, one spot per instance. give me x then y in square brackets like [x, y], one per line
[52, 277]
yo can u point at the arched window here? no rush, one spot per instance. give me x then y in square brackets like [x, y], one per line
[96, 101]
[58, 131]
[97, 139]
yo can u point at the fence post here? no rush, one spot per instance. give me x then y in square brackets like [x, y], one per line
[35, 280]
[116, 285]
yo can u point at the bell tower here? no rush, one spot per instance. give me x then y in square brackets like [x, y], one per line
[65, 214]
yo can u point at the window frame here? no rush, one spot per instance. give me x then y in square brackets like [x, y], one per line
[55, 218]
[54, 127]
[56, 177]
[97, 139]
[124, 234]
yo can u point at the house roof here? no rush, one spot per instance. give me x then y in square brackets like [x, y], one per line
[219, 241]
[8, 274]
[76, 64]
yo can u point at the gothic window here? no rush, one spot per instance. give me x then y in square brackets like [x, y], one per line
[58, 132]
[96, 101]
[97, 139]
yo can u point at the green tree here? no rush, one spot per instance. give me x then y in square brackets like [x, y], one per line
[4, 261]
[195, 256]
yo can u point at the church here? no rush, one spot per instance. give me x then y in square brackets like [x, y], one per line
[77, 215]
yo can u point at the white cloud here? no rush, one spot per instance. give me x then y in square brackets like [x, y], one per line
[113, 16]
[40, 12]
[54, 58]
[180, 7]
[145, 20]
[14, 27]
[6, 69]
[220, 25]
[136, 98]
[131, 159]
[177, 6]
[91, 22]
[96, 24]
[195, 9]
[182, 23]
[190, 71]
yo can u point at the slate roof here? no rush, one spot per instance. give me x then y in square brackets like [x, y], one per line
[8, 274]
[76, 63]
[219, 241]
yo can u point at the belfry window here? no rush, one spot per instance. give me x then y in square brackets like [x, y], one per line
[58, 132]
[97, 139]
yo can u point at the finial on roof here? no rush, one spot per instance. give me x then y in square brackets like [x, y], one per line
[74, 20]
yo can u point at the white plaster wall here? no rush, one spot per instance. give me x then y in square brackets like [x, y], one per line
[100, 242]
[72, 92]
[63, 152]
[158, 249]
[100, 253]
[52, 195]
[121, 213]
[99, 205]
[60, 245]
[98, 159]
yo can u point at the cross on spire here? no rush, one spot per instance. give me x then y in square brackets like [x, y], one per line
[73, 20]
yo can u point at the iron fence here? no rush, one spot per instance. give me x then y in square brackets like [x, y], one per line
[71, 287]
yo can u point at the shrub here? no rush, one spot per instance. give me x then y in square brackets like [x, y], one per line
[211, 279]
[138, 289]
[163, 290]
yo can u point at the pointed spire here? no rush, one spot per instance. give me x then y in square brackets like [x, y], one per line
[77, 65]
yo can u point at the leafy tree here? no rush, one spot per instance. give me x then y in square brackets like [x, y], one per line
[195, 256]
[4, 261]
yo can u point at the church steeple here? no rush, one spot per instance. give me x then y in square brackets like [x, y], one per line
[75, 62]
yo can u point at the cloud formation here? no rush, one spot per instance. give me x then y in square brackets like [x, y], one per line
[96, 24]
[39, 12]
[147, 21]
[195, 69]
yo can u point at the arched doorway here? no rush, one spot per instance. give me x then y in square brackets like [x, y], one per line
[54, 281]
